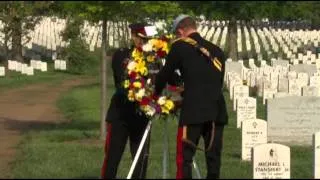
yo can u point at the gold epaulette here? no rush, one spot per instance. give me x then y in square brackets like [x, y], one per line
[187, 40]
[191, 41]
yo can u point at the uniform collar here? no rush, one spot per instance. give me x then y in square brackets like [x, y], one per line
[196, 36]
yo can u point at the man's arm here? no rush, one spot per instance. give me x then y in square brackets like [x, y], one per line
[117, 66]
[166, 73]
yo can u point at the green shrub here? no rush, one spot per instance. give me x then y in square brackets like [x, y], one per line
[79, 59]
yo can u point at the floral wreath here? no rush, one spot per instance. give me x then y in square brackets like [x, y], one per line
[141, 68]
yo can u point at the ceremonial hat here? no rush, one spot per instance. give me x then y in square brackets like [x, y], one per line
[177, 21]
[143, 30]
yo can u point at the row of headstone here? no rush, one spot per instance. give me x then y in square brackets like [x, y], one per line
[20, 67]
[39, 65]
[273, 39]
[213, 34]
[60, 65]
[270, 160]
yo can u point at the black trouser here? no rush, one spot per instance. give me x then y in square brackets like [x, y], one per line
[118, 133]
[186, 151]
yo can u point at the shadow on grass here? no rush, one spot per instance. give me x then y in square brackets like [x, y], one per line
[25, 126]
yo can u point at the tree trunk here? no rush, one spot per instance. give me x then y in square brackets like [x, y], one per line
[124, 36]
[16, 40]
[6, 48]
[103, 81]
[233, 40]
[127, 34]
[119, 34]
[107, 33]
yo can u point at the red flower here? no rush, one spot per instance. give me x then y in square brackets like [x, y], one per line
[139, 48]
[155, 97]
[172, 88]
[142, 83]
[161, 54]
[145, 101]
[133, 75]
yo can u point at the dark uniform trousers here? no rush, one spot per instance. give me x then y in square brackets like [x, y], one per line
[115, 146]
[185, 151]
[118, 132]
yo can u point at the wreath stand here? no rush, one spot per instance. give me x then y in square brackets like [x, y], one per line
[165, 151]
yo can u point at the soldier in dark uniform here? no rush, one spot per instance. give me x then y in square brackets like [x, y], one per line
[123, 119]
[203, 110]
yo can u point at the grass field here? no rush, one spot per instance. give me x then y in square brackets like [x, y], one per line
[72, 150]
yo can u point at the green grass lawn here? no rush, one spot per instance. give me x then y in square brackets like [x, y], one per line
[52, 152]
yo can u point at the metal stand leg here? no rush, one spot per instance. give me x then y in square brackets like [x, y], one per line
[136, 157]
[165, 149]
[196, 167]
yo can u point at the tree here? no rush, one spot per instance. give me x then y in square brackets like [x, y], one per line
[19, 18]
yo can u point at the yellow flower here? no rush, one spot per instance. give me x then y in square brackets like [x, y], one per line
[165, 48]
[137, 84]
[126, 83]
[136, 53]
[158, 44]
[169, 104]
[130, 95]
[169, 36]
[164, 110]
[150, 58]
[141, 68]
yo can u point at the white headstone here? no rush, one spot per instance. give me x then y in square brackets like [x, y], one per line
[18, 67]
[315, 81]
[24, 68]
[2, 71]
[63, 65]
[292, 75]
[30, 71]
[44, 66]
[38, 65]
[307, 68]
[271, 161]
[268, 94]
[316, 146]
[33, 63]
[234, 82]
[283, 85]
[239, 91]
[310, 91]
[254, 132]
[303, 79]
[10, 65]
[318, 63]
[294, 87]
[246, 109]
[57, 64]
[293, 120]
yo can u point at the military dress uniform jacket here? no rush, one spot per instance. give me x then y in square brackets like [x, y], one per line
[202, 97]
[120, 106]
